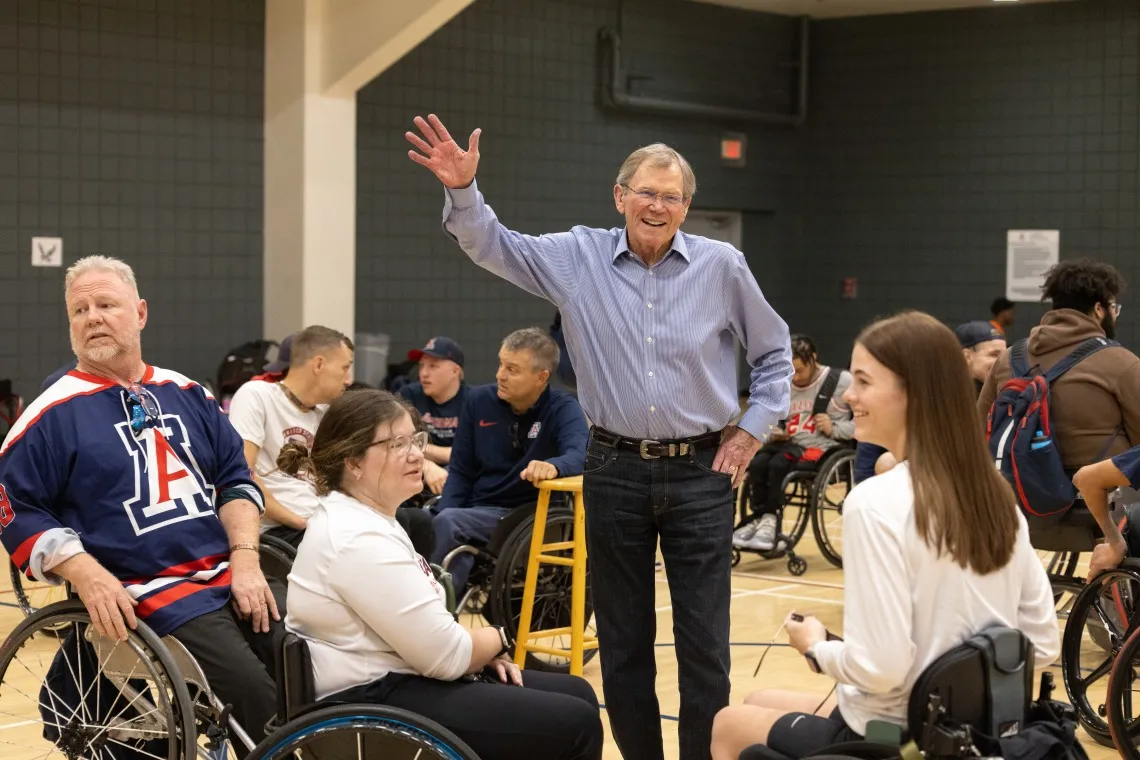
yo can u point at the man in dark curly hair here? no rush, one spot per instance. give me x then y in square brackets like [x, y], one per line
[1096, 404]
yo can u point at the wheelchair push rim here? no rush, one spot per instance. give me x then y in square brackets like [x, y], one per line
[363, 731]
[827, 509]
[1123, 699]
[1100, 621]
[33, 596]
[67, 692]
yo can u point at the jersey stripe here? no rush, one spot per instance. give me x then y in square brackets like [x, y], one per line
[24, 550]
[139, 589]
[153, 603]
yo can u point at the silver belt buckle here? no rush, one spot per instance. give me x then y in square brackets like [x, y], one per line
[645, 450]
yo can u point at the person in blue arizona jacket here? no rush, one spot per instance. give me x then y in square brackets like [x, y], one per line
[513, 434]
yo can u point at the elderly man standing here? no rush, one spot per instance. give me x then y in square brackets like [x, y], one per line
[650, 316]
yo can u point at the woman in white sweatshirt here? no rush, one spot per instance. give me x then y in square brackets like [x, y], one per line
[375, 619]
[934, 550]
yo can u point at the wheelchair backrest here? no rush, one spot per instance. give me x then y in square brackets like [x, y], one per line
[295, 685]
[986, 682]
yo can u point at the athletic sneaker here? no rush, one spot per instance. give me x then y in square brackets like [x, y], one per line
[764, 539]
[742, 535]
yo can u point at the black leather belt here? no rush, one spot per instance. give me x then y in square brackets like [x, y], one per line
[649, 449]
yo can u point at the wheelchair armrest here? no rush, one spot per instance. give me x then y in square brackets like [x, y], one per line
[444, 579]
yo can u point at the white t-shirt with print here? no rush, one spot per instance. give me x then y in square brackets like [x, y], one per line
[262, 414]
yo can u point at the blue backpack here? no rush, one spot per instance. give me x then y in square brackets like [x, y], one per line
[1020, 435]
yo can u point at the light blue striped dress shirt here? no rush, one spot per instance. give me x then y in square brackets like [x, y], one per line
[653, 347]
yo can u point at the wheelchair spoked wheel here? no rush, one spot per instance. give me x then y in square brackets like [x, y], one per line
[33, 596]
[65, 689]
[1100, 619]
[552, 592]
[362, 731]
[794, 520]
[1123, 705]
[834, 481]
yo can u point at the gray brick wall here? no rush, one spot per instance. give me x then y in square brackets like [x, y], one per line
[132, 128]
[527, 74]
[932, 134]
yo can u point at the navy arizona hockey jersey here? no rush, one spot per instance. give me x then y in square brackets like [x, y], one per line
[142, 504]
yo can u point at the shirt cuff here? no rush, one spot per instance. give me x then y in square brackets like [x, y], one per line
[759, 423]
[826, 654]
[464, 197]
[52, 549]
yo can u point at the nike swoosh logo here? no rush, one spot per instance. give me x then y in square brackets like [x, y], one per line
[484, 423]
[797, 720]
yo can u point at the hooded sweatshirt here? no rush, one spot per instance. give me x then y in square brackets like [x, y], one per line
[1096, 401]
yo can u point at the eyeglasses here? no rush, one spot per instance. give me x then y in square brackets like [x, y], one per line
[648, 196]
[142, 408]
[1115, 309]
[402, 445]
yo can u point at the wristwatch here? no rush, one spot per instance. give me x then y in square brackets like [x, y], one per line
[504, 639]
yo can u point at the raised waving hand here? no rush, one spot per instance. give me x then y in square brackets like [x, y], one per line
[454, 166]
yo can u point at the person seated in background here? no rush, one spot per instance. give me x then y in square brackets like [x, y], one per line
[438, 396]
[1095, 482]
[806, 436]
[127, 481]
[375, 617]
[934, 550]
[513, 433]
[268, 415]
[982, 345]
[276, 370]
[1002, 310]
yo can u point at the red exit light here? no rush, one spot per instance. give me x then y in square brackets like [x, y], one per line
[731, 149]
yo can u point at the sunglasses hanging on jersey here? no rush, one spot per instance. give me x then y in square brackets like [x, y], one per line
[142, 408]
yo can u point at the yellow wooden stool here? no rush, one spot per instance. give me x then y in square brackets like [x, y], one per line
[579, 642]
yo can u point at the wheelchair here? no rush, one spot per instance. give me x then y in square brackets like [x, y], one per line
[813, 492]
[960, 705]
[497, 579]
[64, 688]
[32, 595]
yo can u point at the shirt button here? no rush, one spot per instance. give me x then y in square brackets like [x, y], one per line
[653, 409]
[649, 340]
[651, 374]
[650, 304]
[650, 272]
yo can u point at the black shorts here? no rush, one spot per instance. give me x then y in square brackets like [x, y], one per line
[801, 734]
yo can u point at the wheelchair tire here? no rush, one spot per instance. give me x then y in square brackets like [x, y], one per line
[1120, 706]
[277, 557]
[510, 571]
[1089, 603]
[27, 605]
[388, 727]
[55, 618]
[831, 550]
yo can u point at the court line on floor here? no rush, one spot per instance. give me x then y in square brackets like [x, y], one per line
[17, 725]
[741, 593]
[785, 579]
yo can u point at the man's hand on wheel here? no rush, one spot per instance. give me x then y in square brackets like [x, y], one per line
[107, 602]
[454, 166]
[737, 448]
[252, 597]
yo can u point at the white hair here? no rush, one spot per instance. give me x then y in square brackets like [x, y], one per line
[120, 269]
[658, 156]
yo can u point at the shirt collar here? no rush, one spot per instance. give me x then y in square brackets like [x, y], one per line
[678, 246]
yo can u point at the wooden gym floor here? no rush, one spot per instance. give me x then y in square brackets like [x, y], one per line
[762, 594]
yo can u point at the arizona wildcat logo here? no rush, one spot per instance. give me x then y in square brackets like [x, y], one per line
[169, 484]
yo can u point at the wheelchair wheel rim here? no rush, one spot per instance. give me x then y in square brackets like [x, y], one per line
[830, 491]
[33, 596]
[1101, 618]
[71, 713]
[358, 737]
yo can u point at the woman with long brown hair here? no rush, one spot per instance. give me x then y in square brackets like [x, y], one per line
[375, 618]
[934, 550]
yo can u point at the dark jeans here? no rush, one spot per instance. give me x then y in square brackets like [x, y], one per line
[553, 717]
[238, 663]
[457, 526]
[766, 473]
[630, 502]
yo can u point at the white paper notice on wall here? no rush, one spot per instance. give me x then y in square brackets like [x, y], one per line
[47, 252]
[1029, 255]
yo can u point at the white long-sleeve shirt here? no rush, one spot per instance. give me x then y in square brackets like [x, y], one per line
[905, 606]
[367, 604]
